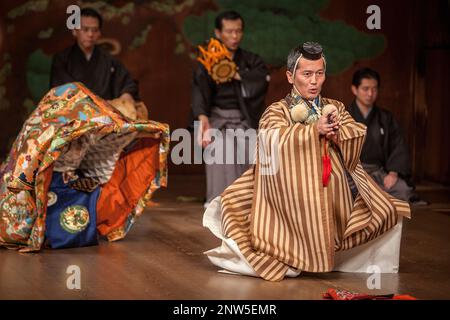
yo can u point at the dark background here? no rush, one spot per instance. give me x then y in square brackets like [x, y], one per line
[410, 51]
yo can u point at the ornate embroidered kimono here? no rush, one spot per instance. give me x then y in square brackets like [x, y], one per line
[74, 138]
[281, 217]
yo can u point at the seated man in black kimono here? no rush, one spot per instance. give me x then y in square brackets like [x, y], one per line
[86, 62]
[235, 104]
[385, 155]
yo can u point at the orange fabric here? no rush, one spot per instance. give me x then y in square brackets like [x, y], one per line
[213, 53]
[131, 178]
[47, 176]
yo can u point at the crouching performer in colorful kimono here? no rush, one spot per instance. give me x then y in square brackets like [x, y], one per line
[79, 168]
[307, 198]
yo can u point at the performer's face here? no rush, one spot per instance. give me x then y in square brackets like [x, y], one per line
[89, 32]
[231, 34]
[366, 93]
[309, 77]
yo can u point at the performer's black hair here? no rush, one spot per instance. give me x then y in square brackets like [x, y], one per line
[227, 15]
[296, 52]
[89, 12]
[292, 58]
[365, 73]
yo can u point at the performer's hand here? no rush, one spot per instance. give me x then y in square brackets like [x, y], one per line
[333, 136]
[390, 180]
[333, 119]
[128, 97]
[327, 124]
[204, 137]
[237, 76]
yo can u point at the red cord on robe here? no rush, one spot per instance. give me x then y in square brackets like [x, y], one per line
[326, 161]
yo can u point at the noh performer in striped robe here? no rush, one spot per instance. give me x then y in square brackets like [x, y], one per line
[307, 196]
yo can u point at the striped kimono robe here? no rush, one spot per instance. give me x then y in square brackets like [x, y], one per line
[289, 220]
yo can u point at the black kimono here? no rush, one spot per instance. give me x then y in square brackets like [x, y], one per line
[232, 105]
[385, 149]
[102, 74]
[247, 95]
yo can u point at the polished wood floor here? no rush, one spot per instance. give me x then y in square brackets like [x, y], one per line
[162, 258]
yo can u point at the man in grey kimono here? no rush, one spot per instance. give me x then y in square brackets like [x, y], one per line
[237, 104]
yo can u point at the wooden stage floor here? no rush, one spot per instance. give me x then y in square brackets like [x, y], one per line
[162, 258]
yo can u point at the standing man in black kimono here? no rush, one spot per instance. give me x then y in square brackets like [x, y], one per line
[385, 155]
[88, 63]
[237, 104]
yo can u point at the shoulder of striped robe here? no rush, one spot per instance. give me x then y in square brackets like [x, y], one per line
[337, 103]
[277, 107]
[277, 112]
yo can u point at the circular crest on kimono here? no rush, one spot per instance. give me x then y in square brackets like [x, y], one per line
[218, 61]
[74, 219]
